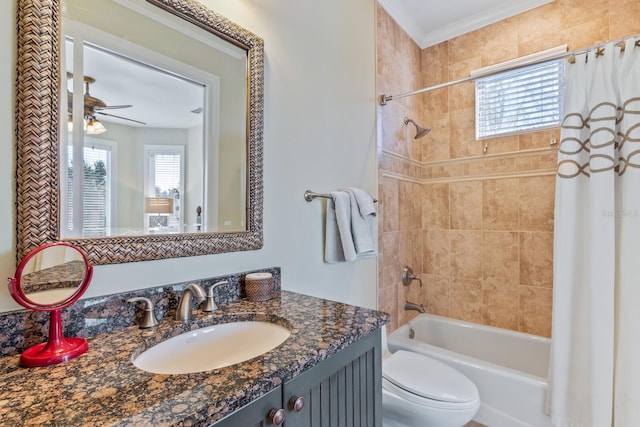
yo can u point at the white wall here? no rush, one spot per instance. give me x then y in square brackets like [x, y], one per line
[7, 149]
[194, 192]
[320, 106]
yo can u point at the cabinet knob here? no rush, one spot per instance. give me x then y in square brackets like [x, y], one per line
[276, 416]
[296, 403]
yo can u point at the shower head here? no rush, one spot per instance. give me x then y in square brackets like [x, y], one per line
[420, 131]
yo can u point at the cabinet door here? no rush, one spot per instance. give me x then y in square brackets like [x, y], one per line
[342, 391]
[255, 414]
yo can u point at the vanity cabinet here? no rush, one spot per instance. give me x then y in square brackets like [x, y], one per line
[344, 390]
[256, 413]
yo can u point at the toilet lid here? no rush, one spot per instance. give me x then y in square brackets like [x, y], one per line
[427, 377]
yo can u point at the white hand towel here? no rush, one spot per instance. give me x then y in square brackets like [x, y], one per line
[350, 235]
[339, 246]
[362, 222]
[366, 205]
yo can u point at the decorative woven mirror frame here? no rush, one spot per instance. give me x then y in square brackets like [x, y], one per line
[37, 128]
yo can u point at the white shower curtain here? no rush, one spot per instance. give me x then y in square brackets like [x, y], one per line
[595, 357]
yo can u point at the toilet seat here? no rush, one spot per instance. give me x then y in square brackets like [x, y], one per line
[429, 382]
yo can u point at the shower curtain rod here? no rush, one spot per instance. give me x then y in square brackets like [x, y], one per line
[383, 99]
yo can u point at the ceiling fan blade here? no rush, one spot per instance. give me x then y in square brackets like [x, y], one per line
[113, 107]
[120, 117]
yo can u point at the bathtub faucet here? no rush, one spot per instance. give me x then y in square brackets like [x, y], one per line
[413, 306]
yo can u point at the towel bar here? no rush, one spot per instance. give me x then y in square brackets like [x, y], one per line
[310, 195]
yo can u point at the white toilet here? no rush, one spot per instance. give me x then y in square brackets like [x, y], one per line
[418, 391]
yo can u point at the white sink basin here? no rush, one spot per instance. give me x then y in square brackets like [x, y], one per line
[212, 347]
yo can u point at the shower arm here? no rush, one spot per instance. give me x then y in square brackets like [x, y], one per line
[408, 276]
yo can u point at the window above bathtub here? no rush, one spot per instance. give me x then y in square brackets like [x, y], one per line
[523, 99]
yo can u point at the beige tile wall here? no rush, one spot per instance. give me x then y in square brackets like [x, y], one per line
[477, 226]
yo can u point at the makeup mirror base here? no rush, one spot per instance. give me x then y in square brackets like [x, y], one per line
[46, 354]
[57, 350]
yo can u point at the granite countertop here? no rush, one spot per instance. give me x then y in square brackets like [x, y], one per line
[103, 388]
[66, 275]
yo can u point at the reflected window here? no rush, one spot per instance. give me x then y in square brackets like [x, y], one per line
[92, 189]
[164, 178]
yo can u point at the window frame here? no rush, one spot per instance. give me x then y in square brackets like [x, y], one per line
[551, 57]
[154, 149]
[77, 198]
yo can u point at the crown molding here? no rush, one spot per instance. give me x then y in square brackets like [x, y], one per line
[425, 38]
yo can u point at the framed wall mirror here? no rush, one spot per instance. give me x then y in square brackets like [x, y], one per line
[139, 129]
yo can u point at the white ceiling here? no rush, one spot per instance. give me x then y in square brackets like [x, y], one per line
[119, 81]
[429, 22]
[157, 98]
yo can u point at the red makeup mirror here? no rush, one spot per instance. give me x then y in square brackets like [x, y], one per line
[50, 278]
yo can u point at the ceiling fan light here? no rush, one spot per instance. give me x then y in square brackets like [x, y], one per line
[95, 127]
[70, 124]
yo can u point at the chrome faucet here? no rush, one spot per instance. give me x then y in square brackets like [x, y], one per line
[183, 313]
[413, 306]
[210, 304]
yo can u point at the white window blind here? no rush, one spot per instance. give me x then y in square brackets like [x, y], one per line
[521, 100]
[96, 200]
[96, 194]
[166, 172]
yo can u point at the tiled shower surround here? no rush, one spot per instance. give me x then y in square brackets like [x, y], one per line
[476, 226]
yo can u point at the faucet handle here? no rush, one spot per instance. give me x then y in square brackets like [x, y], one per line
[210, 303]
[408, 276]
[149, 319]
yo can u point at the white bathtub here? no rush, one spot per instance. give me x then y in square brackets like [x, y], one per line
[509, 368]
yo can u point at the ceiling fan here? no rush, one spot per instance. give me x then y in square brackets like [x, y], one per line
[93, 105]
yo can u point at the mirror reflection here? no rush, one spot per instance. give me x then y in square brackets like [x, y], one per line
[133, 216]
[160, 144]
[53, 274]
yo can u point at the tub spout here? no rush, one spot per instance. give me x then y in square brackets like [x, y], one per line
[413, 306]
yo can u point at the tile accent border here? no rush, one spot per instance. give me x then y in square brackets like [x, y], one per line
[448, 180]
[515, 164]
